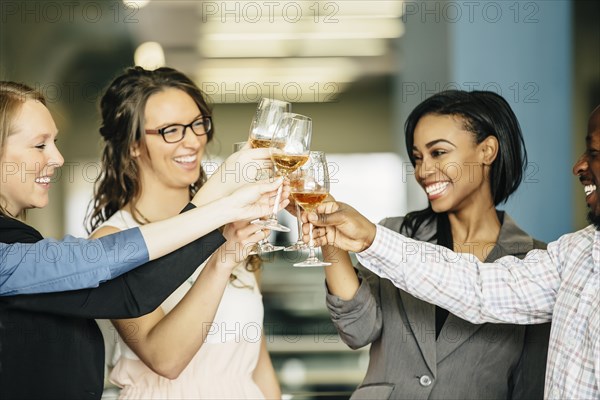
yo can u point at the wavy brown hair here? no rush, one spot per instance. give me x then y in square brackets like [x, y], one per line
[122, 108]
[12, 97]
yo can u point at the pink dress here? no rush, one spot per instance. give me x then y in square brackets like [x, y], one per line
[222, 368]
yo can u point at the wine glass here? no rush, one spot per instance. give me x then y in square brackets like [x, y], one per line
[299, 245]
[289, 150]
[265, 121]
[263, 245]
[309, 187]
[263, 125]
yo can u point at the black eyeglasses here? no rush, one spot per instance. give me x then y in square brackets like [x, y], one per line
[176, 132]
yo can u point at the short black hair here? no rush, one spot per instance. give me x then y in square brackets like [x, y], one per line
[484, 114]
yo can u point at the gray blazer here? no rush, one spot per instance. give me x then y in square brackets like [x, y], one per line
[467, 361]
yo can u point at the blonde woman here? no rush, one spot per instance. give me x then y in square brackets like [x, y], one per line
[51, 346]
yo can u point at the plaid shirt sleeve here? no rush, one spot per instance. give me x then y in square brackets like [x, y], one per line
[508, 290]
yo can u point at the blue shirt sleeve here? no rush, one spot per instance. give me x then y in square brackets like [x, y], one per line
[71, 263]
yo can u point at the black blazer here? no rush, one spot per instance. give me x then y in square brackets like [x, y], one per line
[50, 345]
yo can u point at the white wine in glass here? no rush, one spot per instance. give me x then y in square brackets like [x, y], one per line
[265, 121]
[263, 125]
[289, 150]
[309, 188]
[299, 244]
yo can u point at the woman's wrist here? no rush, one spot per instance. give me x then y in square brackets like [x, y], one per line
[230, 254]
[220, 263]
[222, 208]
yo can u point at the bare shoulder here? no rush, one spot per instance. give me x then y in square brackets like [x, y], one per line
[104, 231]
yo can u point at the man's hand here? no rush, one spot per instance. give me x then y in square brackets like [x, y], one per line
[339, 225]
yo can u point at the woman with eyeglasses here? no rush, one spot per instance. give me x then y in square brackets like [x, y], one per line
[206, 340]
[50, 346]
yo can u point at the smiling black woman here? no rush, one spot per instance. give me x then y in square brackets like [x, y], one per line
[561, 284]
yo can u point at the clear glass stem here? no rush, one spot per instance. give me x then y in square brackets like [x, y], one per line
[299, 222]
[299, 244]
[273, 215]
[311, 245]
[312, 260]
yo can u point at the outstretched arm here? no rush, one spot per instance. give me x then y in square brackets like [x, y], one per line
[142, 290]
[239, 168]
[352, 304]
[166, 343]
[508, 290]
[37, 265]
[341, 226]
[249, 201]
[340, 276]
[132, 294]
[68, 264]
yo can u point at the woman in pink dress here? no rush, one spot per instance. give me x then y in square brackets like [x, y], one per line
[206, 340]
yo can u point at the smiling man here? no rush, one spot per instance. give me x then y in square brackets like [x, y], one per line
[587, 168]
[560, 284]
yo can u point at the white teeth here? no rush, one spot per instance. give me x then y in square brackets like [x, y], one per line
[186, 159]
[589, 189]
[43, 179]
[436, 188]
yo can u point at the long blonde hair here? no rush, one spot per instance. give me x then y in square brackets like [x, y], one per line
[12, 97]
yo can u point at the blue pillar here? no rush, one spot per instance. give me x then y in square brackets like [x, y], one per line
[522, 50]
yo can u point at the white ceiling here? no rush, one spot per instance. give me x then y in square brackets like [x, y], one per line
[301, 51]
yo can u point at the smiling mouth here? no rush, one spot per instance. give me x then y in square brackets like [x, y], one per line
[43, 179]
[186, 159]
[589, 189]
[436, 188]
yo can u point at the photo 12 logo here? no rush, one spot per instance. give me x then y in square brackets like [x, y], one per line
[271, 11]
[24, 12]
[516, 92]
[70, 172]
[252, 91]
[526, 12]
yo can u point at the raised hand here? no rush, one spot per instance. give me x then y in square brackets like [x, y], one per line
[255, 200]
[242, 237]
[337, 224]
[239, 169]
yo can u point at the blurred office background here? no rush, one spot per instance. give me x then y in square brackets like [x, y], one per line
[357, 68]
